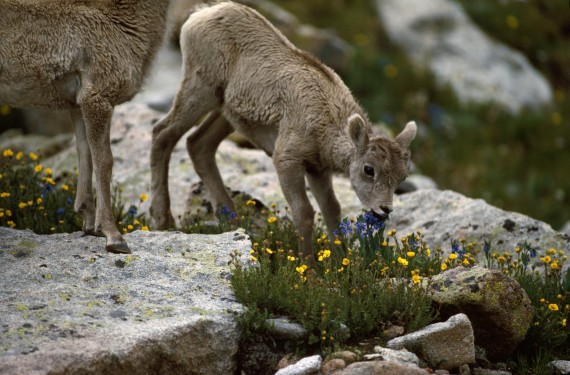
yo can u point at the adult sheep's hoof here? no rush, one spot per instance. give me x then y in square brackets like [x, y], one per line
[118, 248]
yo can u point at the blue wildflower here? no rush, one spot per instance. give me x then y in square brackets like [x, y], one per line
[373, 221]
[344, 228]
[487, 247]
[360, 227]
[69, 201]
[132, 211]
[60, 211]
[227, 213]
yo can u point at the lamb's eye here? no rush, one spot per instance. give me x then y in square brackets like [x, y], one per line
[369, 170]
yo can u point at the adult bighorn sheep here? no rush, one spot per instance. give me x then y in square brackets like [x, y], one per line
[85, 56]
[243, 73]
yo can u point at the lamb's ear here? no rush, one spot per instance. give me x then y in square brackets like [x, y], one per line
[357, 131]
[407, 135]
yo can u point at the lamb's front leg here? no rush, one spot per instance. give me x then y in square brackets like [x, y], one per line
[322, 188]
[292, 178]
[97, 114]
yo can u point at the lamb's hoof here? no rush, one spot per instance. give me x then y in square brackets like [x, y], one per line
[93, 232]
[118, 248]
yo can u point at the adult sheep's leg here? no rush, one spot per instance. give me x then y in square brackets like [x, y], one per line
[292, 179]
[97, 114]
[202, 146]
[322, 188]
[84, 204]
[191, 103]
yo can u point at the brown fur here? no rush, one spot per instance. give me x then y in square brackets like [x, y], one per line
[85, 56]
[249, 77]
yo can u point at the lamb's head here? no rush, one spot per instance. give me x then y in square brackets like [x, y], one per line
[378, 165]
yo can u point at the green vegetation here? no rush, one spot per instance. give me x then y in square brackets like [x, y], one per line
[32, 198]
[367, 278]
[518, 163]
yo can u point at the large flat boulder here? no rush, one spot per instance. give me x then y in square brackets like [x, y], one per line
[68, 307]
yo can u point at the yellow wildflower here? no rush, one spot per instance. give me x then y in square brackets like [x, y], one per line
[428, 252]
[416, 279]
[443, 266]
[268, 251]
[542, 300]
[143, 197]
[8, 153]
[5, 194]
[337, 242]
[11, 224]
[554, 265]
[250, 202]
[19, 155]
[48, 171]
[501, 259]
[384, 243]
[145, 228]
[65, 187]
[39, 200]
[553, 307]
[563, 322]
[517, 250]
[130, 227]
[33, 156]
[302, 268]
[345, 262]
[22, 205]
[253, 259]
[512, 22]
[38, 168]
[291, 258]
[452, 256]
[402, 261]
[272, 219]
[551, 251]
[546, 259]
[465, 262]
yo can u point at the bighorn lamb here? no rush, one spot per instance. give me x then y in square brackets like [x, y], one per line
[248, 76]
[85, 56]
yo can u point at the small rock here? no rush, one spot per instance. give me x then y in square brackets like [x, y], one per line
[560, 367]
[392, 332]
[305, 366]
[283, 328]
[401, 356]
[333, 365]
[381, 368]
[484, 371]
[441, 372]
[347, 356]
[446, 345]
[464, 370]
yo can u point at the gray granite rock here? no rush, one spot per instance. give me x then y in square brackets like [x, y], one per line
[446, 345]
[439, 36]
[68, 307]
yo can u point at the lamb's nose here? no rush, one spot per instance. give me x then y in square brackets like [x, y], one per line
[386, 209]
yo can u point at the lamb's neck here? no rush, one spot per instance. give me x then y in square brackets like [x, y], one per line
[339, 152]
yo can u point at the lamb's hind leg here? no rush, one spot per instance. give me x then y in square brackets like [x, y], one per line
[192, 101]
[202, 146]
[84, 204]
